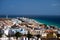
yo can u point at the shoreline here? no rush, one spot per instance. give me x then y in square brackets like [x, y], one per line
[47, 23]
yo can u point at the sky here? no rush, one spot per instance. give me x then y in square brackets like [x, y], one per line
[29, 7]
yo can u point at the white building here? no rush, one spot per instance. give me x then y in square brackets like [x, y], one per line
[9, 31]
[44, 34]
[16, 21]
[22, 30]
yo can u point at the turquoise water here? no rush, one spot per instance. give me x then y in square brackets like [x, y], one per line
[47, 22]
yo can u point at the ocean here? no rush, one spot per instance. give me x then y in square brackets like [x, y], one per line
[49, 20]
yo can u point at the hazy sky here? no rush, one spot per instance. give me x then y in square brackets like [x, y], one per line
[30, 7]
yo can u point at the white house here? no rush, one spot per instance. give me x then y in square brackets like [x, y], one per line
[22, 30]
[9, 31]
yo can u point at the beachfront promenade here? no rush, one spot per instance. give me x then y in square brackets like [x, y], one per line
[11, 38]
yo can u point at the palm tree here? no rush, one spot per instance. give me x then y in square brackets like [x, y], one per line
[58, 35]
[10, 34]
[25, 35]
[38, 36]
[1, 32]
[1, 35]
[17, 34]
[29, 35]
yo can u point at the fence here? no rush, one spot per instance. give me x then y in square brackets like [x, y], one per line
[25, 38]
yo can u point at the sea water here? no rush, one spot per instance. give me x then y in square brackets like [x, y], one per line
[49, 20]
